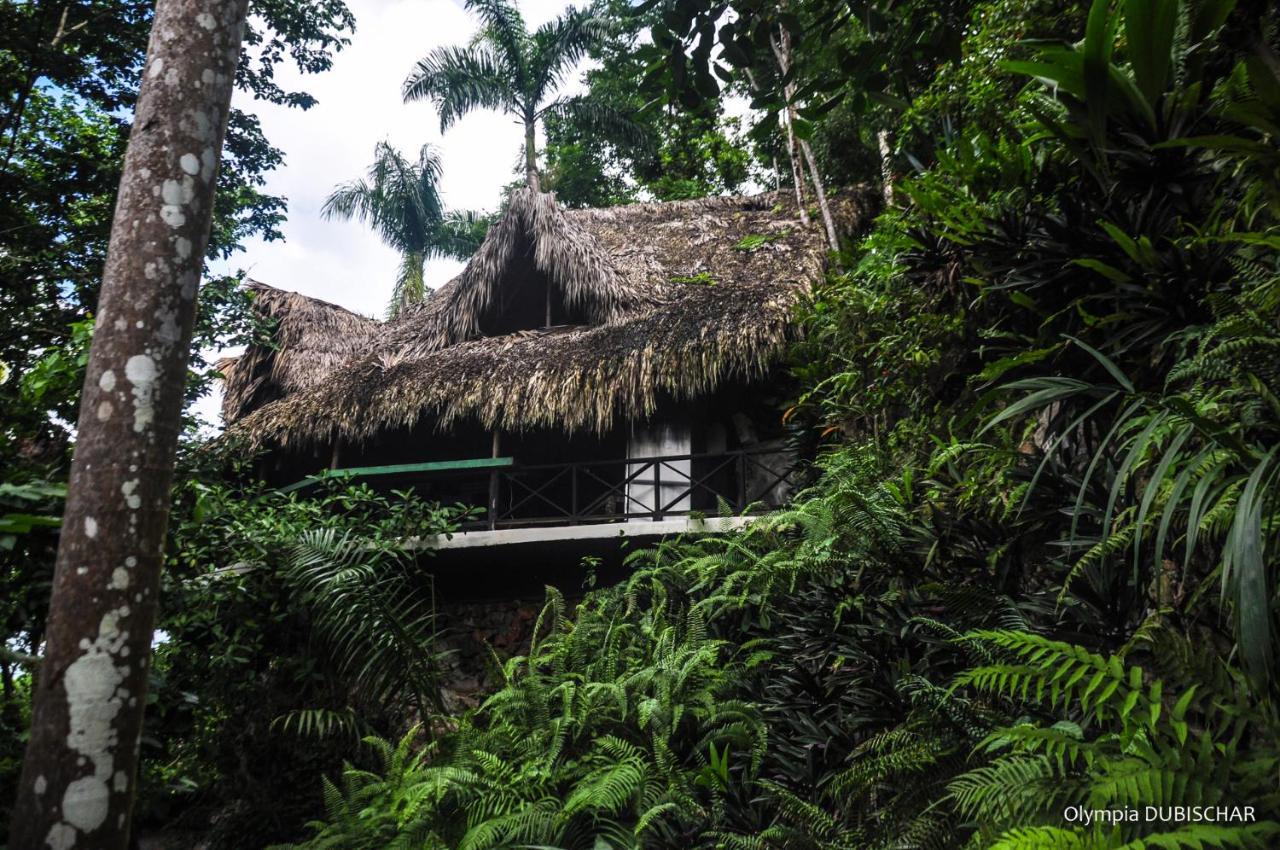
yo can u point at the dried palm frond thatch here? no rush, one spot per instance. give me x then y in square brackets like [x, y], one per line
[678, 298]
[312, 339]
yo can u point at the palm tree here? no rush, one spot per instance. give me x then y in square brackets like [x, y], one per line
[400, 200]
[509, 69]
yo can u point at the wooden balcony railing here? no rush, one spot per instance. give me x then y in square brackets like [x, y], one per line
[518, 495]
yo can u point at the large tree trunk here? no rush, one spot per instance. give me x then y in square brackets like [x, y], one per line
[79, 776]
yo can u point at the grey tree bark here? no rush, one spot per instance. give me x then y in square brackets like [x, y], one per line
[886, 165]
[787, 119]
[79, 774]
[797, 170]
[782, 53]
[820, 193]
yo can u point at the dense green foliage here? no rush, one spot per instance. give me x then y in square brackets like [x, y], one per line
[1035, 571]
[282, 619]
[1038, 571]
[663, 150]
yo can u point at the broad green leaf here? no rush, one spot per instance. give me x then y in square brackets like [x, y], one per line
[1149, 30]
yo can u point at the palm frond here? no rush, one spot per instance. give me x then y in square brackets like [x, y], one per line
[461, 79]
[503, 27]
[380, 630]
[600, 119]
[559, 44]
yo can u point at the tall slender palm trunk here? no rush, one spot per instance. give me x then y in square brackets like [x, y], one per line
[531, 153]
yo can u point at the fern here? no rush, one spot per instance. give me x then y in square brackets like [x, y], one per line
[1142, 747]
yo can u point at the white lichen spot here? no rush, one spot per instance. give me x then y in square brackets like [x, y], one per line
[157, 67]
[90, 527]
[85, 803]
[141, 371]
[93, 687]
[80, 571]
[168, 329]
[198, 124]
[119, 579]
[107, 381]
[190, 163]
[41, 784]
[131, 562]
[207, 163]
[120, 782]
[207, 75]
[105, 409]
[206, 20]
[172, 216]
[61, 837]
[139, 324]
[178, 191]
[183, 246]
[131, 498]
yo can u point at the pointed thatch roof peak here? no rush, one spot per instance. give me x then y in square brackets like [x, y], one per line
[535, 227]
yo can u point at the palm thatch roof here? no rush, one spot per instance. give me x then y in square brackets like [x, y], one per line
[671, 299]
[312, 339]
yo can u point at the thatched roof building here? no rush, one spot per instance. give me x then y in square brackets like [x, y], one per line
[571, 320]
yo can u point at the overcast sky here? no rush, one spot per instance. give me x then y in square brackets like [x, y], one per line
[359, 105]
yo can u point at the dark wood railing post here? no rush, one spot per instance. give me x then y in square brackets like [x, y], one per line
[657, 491]
[493, 483]
[573, 494]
